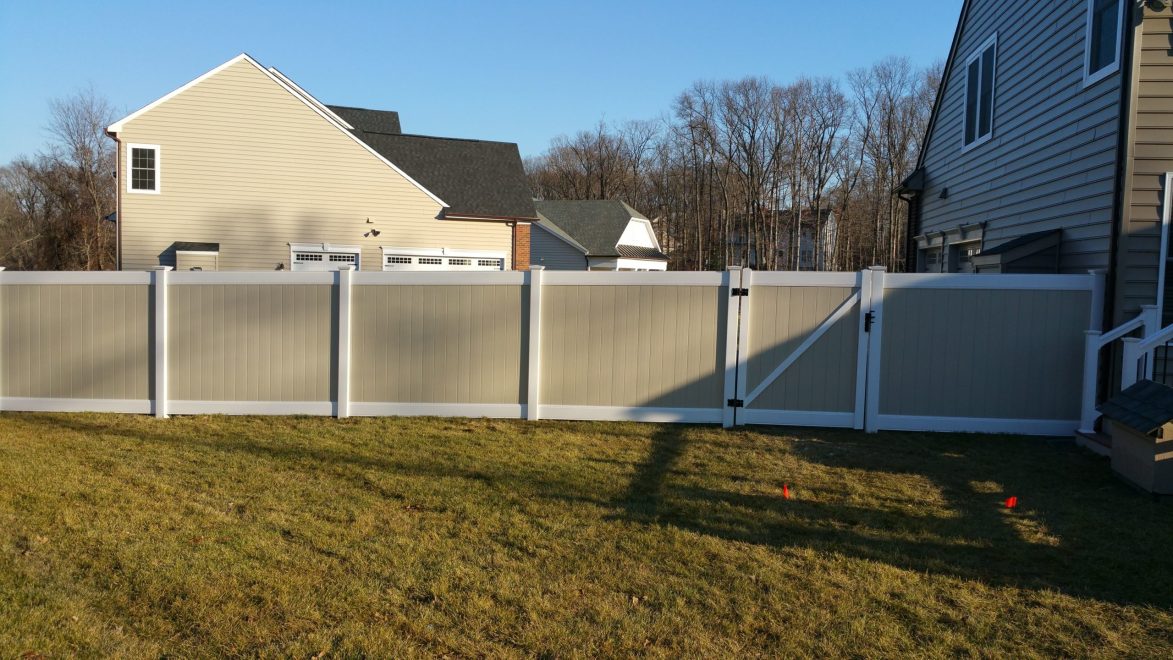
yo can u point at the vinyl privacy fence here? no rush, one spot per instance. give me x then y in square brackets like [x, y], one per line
[862, 350]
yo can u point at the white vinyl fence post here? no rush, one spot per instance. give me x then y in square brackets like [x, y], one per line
[743, 343]
[872, 412]
[732, 300]
[345, 285]
[533, 379]
[1098, 288]
[1129, 373]
[159, 276]
[1091, 369]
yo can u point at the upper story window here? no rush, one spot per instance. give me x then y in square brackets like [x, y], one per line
[979, 93]
[1102, 52]
[142, 168]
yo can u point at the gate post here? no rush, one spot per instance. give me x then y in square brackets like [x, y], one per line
[861, 349]
[742, 343]
[872, 410]
[732, 332]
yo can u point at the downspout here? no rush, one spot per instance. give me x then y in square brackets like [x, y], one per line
[1121, 164]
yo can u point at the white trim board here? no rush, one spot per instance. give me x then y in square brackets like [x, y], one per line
[1048, 427]
[497, 410]
[805, 278]
[251, 277]
[117, 126]
[318, 408]
[633, 414]
[844, 420]
[53, 404]
[646, 278]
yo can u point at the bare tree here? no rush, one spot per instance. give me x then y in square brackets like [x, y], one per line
[54, 205]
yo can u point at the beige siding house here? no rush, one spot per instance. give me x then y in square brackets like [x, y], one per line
[1049, 145]
[241, 169]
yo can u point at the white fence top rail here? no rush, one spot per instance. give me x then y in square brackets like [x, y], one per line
[434, 277]
[633, 278]
[987, 281]
[74, 277]
[805, 278]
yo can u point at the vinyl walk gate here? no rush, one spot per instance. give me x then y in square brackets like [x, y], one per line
[934, 352]
[867, 350]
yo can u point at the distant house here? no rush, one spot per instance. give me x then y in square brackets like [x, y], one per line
[242, 169]
[1048, 146]
[594, 235]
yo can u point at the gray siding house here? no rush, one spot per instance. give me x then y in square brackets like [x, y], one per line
[1048, 146]
[594, 235]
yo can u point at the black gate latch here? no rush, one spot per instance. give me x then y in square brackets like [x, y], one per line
[868, 319]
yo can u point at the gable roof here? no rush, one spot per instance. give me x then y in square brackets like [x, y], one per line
[364, 119]
[297, 92]
[1145, 406]
[597, 225]
[558, 232]
[479, 179]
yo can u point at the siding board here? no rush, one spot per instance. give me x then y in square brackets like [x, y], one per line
[245, 164]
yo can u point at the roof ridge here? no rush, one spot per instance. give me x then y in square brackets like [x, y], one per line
[443, 137]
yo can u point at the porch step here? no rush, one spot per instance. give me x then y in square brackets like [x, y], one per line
[1100, 443]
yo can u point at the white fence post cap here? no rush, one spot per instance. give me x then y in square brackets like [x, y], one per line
[346, 267]
[163, 268]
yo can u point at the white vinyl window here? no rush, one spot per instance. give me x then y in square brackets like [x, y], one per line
[142, 168]
[979, 94]
[440, 259]
[1101, 56]
[323, 256]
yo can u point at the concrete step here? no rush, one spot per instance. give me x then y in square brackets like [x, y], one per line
[1100, 443]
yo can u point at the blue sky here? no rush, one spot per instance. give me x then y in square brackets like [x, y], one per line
[521, 72]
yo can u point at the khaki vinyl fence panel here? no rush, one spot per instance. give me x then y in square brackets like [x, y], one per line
[1002, 354]
[436, 344]
[823, 378]
[633, 346]
[251, 342]
[75, 341]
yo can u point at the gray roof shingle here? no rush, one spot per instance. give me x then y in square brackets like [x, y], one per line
[378, 121]
[596, 224]
[1145, 406]
[475, 177]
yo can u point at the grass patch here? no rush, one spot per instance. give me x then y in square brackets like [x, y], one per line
[124, 535]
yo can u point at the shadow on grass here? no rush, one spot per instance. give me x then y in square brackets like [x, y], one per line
[1079, 531]
[1095, 537]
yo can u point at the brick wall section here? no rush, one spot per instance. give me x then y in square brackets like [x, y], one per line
[521, 245]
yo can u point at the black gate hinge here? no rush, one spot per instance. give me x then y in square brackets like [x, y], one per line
[738, 292]
[868, 319]
[735, 403]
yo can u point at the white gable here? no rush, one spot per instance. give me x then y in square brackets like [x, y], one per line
[639, 232]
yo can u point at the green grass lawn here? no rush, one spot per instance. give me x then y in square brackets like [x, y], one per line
[198, 536]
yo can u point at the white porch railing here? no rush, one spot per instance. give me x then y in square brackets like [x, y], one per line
[1148, 322]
